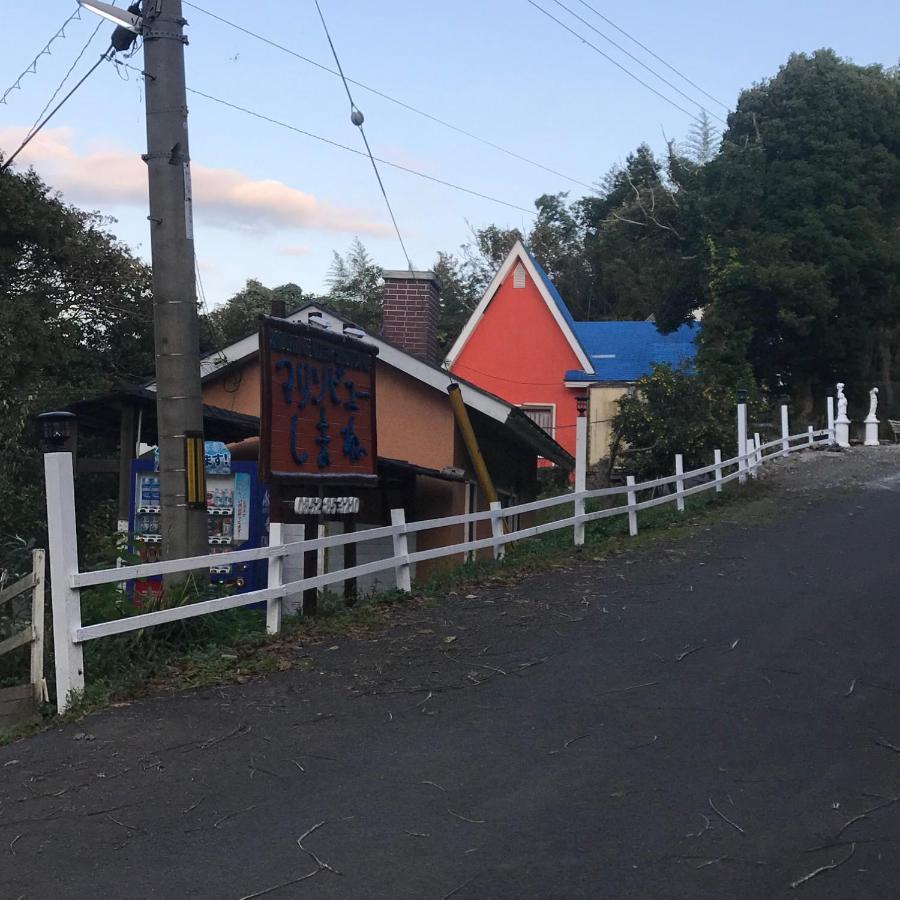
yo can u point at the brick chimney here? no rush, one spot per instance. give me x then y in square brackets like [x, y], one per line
[411, 307]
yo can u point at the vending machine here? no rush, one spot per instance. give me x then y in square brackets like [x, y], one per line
[236, 510]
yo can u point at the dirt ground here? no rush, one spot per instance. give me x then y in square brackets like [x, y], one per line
[716, 715]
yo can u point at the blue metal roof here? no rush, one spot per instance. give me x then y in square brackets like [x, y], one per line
[621, 351]
[625, 351]
[554, 293]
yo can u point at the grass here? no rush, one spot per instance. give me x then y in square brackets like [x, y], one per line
[232, 645]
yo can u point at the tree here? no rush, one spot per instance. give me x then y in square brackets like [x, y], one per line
[803, 203]
[702, 140]
[75, 318]
[237, 317]
[671, 411]
[356, 287]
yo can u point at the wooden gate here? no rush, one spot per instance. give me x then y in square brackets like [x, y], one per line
[19, 704]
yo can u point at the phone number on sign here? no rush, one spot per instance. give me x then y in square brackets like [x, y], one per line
[338, 506]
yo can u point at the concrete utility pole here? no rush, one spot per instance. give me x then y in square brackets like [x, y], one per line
[179, 405]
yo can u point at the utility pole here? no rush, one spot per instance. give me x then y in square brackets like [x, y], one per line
[179, 404]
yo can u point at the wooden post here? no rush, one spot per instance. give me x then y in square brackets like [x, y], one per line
[742, 435]
[757, 459]
[63, 546]
[632, 503]
[275, 605]
[679, 483]
[751, 456]
[37, 626]
[717, 460]
[581, 451]
[811, 439]
[127, 439]
[829, 403]
[785, 430]
[350, 587]
[497, 529]
[401, 550]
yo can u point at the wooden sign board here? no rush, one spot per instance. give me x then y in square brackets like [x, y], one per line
[317, 422]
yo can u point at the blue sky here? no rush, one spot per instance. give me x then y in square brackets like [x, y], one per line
[271, 204]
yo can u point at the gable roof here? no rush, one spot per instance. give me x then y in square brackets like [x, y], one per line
[546, 289]
[625, 351]
[242, 351]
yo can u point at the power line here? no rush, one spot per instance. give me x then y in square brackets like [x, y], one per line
[619, 65]
[389, 98]
[385, 162]
[644, 47]
[636, 59]
[65, 78]
[107, 54]
[357, 118]
[31, 68]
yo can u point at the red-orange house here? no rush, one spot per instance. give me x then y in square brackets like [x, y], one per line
[522, 343]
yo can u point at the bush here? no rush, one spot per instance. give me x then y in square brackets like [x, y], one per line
[672, 411]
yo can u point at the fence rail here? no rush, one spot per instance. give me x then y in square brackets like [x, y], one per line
[67, 581]
[33, 633]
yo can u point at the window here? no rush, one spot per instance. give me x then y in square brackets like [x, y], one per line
[541, 415]
[519, 276]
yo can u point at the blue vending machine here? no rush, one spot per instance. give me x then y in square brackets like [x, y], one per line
[237, 516]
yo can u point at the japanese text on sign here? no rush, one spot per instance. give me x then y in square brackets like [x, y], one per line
[318, 404]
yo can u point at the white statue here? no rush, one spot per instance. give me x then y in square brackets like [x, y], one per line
[872, 420]
[841, 401]
[873, 403]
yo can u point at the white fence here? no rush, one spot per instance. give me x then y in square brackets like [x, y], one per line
[67, 581]
[33, 634]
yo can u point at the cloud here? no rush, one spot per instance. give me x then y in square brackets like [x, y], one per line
[294, 250]
[226, 198]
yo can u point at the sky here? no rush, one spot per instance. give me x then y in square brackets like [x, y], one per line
[273, 204]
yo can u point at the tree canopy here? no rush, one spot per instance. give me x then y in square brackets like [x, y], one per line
[75, 318]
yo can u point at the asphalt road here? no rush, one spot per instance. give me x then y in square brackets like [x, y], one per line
[690, 719]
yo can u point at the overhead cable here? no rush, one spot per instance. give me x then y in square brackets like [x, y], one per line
[66, 77]
[386, 162]
[616, 63]
[34, 131]
[636, 59]
[645, 48]
[357, 118]
[419, 112]
[31, 68]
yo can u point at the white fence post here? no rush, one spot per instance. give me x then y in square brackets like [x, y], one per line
[717, 460]
[742, 434]
[275, 605]
[401, 550]
[63, 546]
[785, 430]
[37, 627]
[679, 482]
[751, 457]
[632, 503]
[829, 404]
[497, 529]
[580, 475]
[757, 443]
[810, 431]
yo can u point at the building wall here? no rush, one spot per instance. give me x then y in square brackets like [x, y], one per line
[237, 391]
[414, 422]
[518, 353]
[603, 405]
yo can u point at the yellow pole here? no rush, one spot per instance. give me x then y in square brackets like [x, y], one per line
[471, 442]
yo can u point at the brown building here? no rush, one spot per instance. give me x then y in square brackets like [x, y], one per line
[423, 463]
